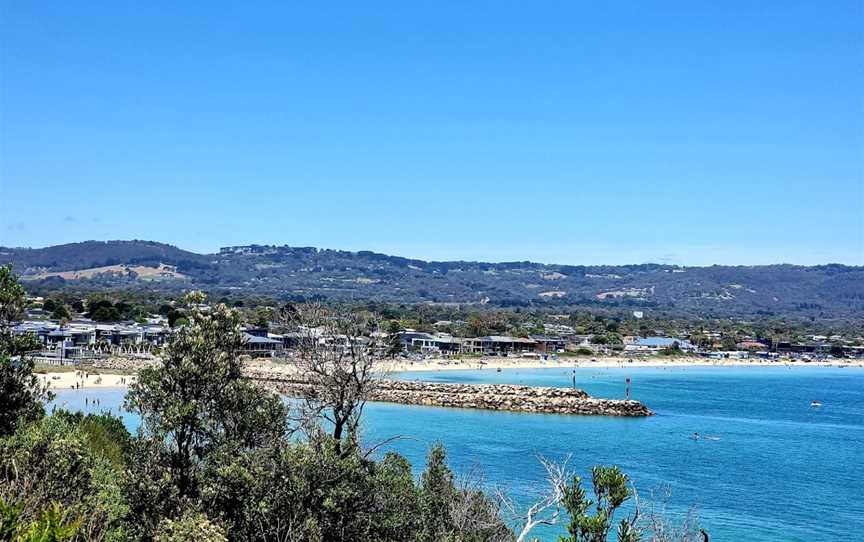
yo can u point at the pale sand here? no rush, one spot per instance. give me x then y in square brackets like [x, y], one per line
[495, 363]
[67, 380]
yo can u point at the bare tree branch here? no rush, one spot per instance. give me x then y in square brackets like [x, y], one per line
[335, 354]
[546, 510]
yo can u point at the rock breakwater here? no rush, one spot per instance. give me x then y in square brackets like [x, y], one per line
[482, 396]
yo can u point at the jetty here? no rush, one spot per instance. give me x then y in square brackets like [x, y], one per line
[545, 400]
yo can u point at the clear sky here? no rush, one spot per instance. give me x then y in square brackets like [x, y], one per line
[691, 132]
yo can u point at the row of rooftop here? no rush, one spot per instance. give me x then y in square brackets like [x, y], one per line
[84, 338]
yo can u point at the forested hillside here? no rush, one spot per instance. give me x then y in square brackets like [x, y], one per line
[303, 273]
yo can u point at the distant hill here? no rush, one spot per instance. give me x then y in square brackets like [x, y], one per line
[303, 273]
[91, 254]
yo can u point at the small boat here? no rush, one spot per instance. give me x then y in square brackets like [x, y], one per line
[815, 404]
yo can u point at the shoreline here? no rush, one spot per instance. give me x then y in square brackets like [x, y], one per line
[402, 366]
[105, 378]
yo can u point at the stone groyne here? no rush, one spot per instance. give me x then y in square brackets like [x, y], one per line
[481, 396]
[118, 363]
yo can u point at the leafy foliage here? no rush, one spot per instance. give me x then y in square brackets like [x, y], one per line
[53, 461]
[51, 525]
[196, 402]
[191, 527]
[21, 394]
[611, 490]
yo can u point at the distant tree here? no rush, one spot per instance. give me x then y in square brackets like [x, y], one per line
[609, 339]
[60, 312]
[180, 322]
[126, 310]
[393, 326]
[262, 317]
[537, 329]
[105, 314]
[176, 318]
[103, 310]
[699, 339]
[672, 350]
[486, 323]
[476, 326]
[394, 345]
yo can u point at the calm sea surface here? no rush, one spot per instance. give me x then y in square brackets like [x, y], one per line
[778, 469]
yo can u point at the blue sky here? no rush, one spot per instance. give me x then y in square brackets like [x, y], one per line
[569, 132]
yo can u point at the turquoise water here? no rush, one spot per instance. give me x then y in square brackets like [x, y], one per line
[779, 471]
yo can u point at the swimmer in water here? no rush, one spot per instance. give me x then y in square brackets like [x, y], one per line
[695, 436]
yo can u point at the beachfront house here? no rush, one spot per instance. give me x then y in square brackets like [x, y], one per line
[544, 344]
[259, 346]
[90, 337]
[498, 345]
[428, 343]
[649, 345]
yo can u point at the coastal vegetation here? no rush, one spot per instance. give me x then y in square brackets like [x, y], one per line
[218, 458]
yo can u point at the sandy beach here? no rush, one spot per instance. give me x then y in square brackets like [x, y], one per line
[600, 362]
[68, 379]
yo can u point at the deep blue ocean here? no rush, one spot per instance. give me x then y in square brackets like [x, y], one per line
[775, 469]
